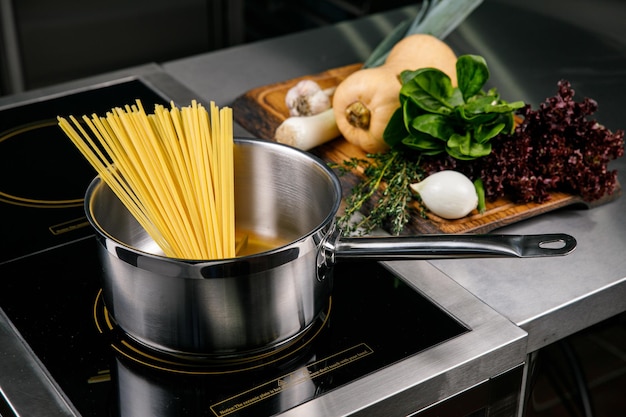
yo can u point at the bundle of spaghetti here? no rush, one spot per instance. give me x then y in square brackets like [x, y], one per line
[173, 170]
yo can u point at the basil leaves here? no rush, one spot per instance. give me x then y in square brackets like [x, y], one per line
[436, 117]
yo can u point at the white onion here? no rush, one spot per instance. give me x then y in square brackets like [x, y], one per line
[448, 194]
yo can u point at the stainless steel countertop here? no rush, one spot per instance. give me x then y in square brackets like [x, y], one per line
[528, 51]
[529, 47]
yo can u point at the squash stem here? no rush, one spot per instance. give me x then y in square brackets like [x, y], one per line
[358, 115]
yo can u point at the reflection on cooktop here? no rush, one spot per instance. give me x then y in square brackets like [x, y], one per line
[127, 348]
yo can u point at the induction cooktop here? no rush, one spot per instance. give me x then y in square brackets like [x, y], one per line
[378, 324]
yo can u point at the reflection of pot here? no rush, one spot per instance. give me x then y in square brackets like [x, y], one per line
[142, 391]
[246, 304]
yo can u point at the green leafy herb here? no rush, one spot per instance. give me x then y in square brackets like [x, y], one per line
[396, 171]
[435, 117]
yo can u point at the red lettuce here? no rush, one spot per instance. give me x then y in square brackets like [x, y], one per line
[554, 148]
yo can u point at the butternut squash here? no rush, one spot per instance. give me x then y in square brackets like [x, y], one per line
[365, 100]
[423, 51]
[363, 104]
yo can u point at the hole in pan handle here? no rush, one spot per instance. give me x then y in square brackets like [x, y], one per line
[547, 245]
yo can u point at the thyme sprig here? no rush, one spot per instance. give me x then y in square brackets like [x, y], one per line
[390, 173]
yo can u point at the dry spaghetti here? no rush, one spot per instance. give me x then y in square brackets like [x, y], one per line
[172, 169]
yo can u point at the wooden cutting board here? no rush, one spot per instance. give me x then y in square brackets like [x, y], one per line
[262, 110]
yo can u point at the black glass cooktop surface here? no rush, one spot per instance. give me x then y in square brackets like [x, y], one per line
[43, 177]
[373, 319]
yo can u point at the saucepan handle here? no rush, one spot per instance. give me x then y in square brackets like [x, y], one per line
[446, 246]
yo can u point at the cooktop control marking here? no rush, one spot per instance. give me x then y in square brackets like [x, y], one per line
[292, 380]
[68, 226]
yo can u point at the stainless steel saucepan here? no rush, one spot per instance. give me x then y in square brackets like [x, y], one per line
[254, 302]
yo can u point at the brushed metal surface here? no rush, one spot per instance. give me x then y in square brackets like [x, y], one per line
[493, 345]
[24, 382]
[529, 47]
[455, 246]
[236, 306]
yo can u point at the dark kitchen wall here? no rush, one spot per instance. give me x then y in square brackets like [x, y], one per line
[267, 18]
[61, 40]
[47, 42]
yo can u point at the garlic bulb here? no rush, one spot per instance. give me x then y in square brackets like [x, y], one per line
[448, 194]
[306, 98]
